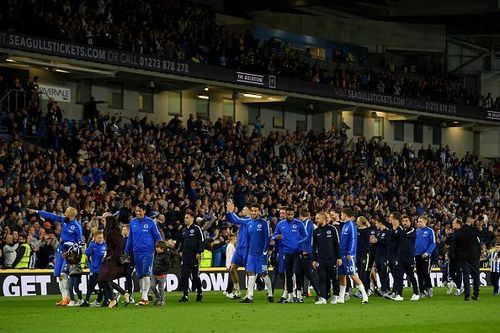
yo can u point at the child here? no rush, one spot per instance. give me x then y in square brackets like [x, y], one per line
[494, 255]
[95, 252]
[231, 247]
[161, 265]
[73, 257]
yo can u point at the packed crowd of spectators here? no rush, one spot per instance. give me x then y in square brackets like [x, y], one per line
[104, 165]
[189, 32]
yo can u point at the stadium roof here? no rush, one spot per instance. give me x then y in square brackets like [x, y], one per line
[459, 16]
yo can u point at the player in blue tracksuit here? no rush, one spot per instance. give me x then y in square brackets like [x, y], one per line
[425, 243]
[305, 268]
[240, 254]
[279, 264]
[292, 234]
[141, 242]
[348, 245]
[71, 233]
[96, 251]
[258, 245]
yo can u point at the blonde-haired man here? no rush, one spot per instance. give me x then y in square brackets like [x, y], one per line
[71, 234]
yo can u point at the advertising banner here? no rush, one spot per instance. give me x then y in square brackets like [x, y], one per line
[42, 282]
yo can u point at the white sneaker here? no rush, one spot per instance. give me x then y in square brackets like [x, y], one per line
[72, 303]
[398, 298]
[450, 287]
[320, 301]
[347, 296]
[80, 302]
[365, 300]
[430, 293]
[340, 300]
[290, 298]
[334, 300]
[229, 295]
[94, 304]
[414, 297]
[459, 292]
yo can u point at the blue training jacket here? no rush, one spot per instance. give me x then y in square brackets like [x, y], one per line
[142, 237]
[294, 234]
[96, 253]
[242, 242]
[307, 245]
[425, 241]
[71, 232]
[257, 233]
[348, 239]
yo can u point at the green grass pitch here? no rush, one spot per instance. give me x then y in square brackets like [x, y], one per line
[442, 313]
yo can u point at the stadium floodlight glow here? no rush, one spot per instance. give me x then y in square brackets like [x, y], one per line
[206, 89]
[62, 71]
[252, 95]
[455, 122]
[10, 60]
[203, 96]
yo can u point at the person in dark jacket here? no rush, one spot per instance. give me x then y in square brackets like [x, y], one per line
[326, 257]
[383, 237]
[363, 261]
[161, 264]
[111, 268]
[469, 252]
[193, 244]
[405, 262]
[453, 264]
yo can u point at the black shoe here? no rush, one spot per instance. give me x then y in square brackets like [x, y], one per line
[475, 298]
[282, 300]
[270, 299]
[236, 297]
[260, 284]
[183, 299]
[85, 304]
[246, 300]
[104, 304]
[150, 298]
[199, 297]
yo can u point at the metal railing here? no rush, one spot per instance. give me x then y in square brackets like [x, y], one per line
[13, 100]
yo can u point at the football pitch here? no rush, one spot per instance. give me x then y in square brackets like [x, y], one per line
[442, 313]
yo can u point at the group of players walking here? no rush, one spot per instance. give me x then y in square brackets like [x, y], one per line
[342, 246]
[338, 248]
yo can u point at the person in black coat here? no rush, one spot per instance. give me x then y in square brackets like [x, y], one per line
[468, 252]
[111, 268]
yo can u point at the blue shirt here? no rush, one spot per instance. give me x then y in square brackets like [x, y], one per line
[71, 231]
[257, 235]
[348, 239]
[96, 253]
[242, 242]
[142, 237]
[294, 234]
[307, 245]
[425, 241]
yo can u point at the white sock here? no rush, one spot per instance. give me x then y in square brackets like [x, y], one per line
[146, 283]
[342, 292]
[63, 286]
[299, 294]
[269, 285]
[361, 288]
[251, 286]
